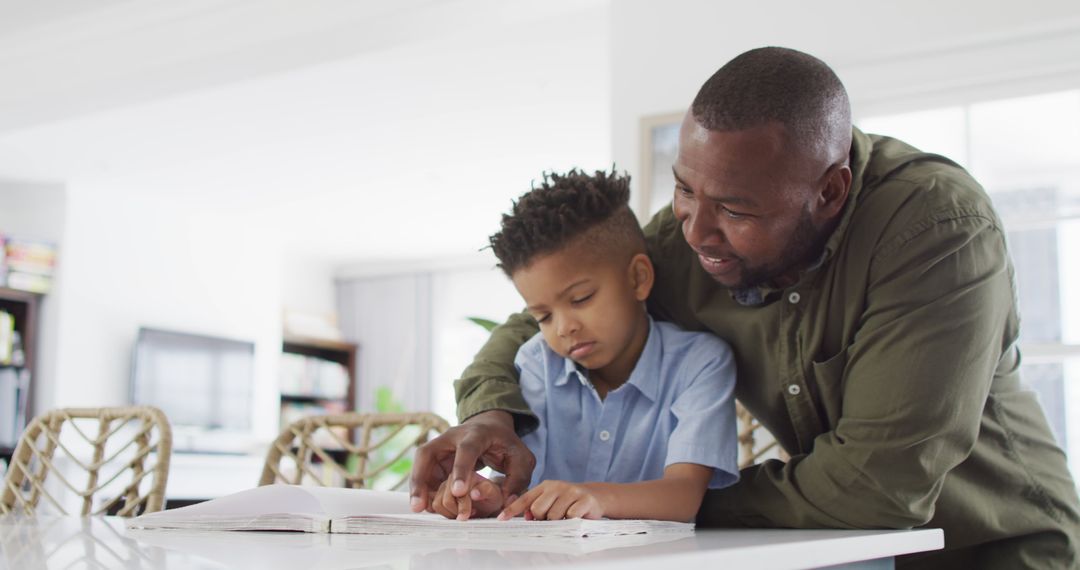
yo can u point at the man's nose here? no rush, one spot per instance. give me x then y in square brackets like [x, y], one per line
[700, 228]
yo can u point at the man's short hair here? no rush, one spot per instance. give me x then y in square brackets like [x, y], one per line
[774, 84]
[564, 209]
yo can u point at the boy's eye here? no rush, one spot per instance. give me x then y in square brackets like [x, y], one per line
[582, 299]
[542, 319]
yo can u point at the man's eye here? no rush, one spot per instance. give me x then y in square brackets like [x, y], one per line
[732, 214]
[683, 190]
[582, 300]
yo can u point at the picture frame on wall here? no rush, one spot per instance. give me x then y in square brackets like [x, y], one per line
[659, 146]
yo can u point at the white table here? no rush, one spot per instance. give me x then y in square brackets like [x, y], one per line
[70, 542]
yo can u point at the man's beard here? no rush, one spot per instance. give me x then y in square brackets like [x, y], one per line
[804, 246]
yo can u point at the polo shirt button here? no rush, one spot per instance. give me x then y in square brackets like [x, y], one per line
[793, 389]
[794, 297]
[605, 435]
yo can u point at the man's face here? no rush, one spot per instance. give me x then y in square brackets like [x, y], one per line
[750, 208]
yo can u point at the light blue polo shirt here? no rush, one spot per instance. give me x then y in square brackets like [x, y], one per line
[678, 406]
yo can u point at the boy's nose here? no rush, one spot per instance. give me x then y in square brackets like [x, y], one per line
[568, 327]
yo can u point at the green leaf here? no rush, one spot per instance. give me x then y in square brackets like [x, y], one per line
[385, 402]
[488, 324]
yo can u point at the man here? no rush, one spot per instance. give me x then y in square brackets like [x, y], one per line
[866, 290]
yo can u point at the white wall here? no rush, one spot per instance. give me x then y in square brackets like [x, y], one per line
[32, 210]
[891, 55]
[456, 295]
[135, 258]
[307, 285]
[213, 210]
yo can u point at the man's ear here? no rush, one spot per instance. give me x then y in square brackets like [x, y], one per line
[834, 194]
[642, 276]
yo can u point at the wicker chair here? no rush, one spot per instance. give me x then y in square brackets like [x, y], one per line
[748, 425]
[328, 440]
[115, 464]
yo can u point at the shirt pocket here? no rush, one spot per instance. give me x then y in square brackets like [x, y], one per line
[828, 386]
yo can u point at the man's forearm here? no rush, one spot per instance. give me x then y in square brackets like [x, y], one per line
[491, 381]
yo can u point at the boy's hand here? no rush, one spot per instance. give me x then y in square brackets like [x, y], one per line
[487, 438]
[555, 500]
[484, 499]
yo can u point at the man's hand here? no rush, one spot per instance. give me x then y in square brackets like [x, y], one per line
[556, 500]
[487, 438]
[484, 499]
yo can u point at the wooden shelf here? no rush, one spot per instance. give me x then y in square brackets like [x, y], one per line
[320, 343]
[341, 352]
[306, 398]
[19, 295]
[25, 307]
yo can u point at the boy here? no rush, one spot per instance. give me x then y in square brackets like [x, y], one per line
[637, 417]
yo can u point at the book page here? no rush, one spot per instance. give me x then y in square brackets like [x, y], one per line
[277, 507]
[338, 502]
[271, 499]
[429, 525]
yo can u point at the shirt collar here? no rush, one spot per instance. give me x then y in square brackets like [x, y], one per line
[646, 374]
[861, 146]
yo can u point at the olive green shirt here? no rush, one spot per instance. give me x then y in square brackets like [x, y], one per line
[889, 372]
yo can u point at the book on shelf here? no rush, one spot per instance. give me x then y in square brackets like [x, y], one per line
[368, 512]
[7, 337]
[311, 376]
[30, 282]
[14, 385]
[28, 265]
[31, 255]
[9, 402]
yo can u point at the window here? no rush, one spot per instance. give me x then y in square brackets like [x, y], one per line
[1026, 153]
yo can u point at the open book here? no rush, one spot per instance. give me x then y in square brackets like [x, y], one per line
[359, 511]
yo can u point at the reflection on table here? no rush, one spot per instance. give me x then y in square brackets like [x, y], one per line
[70, 542]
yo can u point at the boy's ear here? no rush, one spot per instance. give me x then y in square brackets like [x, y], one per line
[642, 275]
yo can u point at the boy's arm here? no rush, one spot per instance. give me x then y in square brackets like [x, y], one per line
[675, 497]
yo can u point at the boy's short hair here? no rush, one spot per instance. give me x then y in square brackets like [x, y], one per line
[566, 208]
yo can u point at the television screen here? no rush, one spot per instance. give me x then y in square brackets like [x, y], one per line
[200, 382]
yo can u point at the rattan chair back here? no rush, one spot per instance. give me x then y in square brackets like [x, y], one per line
[90, 461]
[755, 442]
[349, 450]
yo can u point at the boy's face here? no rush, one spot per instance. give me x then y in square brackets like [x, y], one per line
[589, 308]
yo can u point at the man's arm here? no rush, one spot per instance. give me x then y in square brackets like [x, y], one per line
[938, 319]
[491, 381]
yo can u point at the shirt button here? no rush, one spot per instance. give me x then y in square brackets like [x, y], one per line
[605, 435]
[793, 389]
[794, 297]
